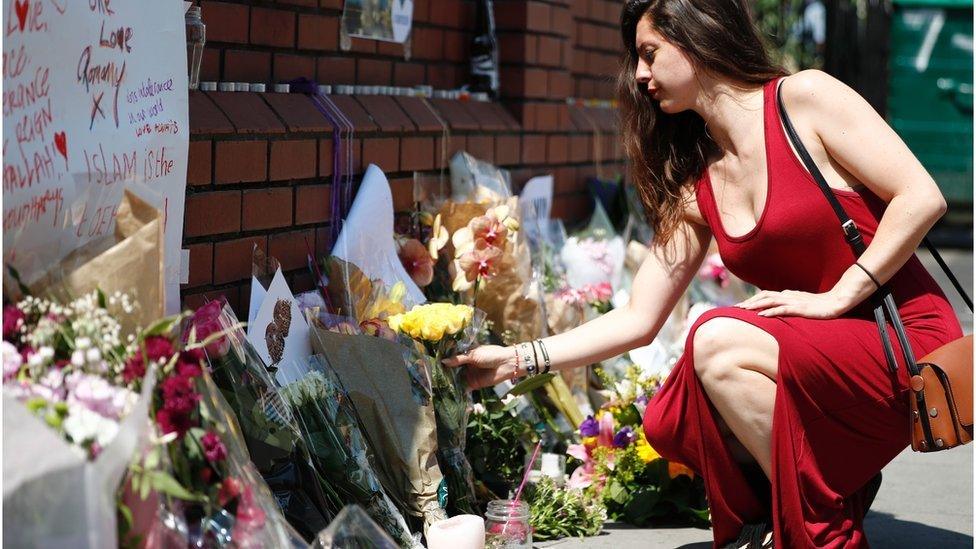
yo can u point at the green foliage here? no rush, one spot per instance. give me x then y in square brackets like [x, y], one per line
[560, 512]
[496, 442]
[776, 20]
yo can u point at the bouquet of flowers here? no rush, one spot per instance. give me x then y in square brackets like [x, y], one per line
[329, 424]
[563, 512]
[617, 464]
[268, 427]
[73, 417]
[444, 328]
[198, 470]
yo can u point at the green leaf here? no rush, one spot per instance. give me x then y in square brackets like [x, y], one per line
[102, 300]
[162, 326]
[163, 483]
[144, 486]
[152, 459]
[531, 384]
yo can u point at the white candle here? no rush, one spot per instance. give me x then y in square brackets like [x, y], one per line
[552, 466]
[460, 532]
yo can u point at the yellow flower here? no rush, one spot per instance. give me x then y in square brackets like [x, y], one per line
[645, 452]
[589, 442]
[433, 322]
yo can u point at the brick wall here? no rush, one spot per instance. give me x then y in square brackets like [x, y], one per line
[260, 168]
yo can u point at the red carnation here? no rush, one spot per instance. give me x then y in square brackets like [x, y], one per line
[173, 422]
[135, 368]
[158, 348]
[13, 321]
[213, 447]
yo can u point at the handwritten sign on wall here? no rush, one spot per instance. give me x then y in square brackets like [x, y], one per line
[94, 101]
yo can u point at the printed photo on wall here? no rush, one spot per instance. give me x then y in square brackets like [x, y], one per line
[387, 20]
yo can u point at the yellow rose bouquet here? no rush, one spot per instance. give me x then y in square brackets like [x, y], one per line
[444, 329]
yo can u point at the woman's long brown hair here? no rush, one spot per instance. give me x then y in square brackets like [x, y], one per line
[668, 150]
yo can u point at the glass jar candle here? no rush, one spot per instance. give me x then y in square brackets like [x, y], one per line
[196, 37]
[507, 525]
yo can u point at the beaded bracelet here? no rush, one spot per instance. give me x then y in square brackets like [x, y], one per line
[516, 371]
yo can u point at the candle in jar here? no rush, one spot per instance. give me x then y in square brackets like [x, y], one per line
[460, 532]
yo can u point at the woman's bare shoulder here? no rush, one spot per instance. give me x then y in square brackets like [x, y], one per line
[689, 201]
[814, 92]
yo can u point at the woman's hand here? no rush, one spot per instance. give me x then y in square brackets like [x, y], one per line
[488, 365]
[795, 303]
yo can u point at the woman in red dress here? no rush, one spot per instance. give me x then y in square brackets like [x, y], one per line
[783, 403]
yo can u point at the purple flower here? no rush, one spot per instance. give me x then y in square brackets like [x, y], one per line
[642, 400]
[589, 427]
[623, 438]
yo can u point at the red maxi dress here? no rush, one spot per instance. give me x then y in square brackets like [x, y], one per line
[840, 414]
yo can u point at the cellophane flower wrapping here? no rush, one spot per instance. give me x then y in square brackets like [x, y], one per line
[268, 426]
[353, 529]
[329, 423]
[71, 420]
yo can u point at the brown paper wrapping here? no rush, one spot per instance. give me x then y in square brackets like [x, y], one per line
[129, 261]
[402, 433]
[509, 299]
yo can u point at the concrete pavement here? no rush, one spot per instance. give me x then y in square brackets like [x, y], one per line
[926, 500]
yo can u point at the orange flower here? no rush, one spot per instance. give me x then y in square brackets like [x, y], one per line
[417, 261]
[676, 469]
[488, 231]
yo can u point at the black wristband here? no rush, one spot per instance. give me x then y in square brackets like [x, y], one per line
[545, 356]
[871, 276]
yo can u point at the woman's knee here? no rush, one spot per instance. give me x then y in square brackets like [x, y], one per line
[723, 345]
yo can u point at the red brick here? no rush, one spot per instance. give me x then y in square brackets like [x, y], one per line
[536, 16]
[579, 148]
[503, 115]
[273, 27]
[362, 45]
[485, 115]
[318, 32]
[565, 180]
[248, 112]
[331, 4]
[455, 144]
[416, 153]
[565, 122]
[201, 264]
[225, 22]
[293, 159]
[421, 10]
[512, 16]
[384, 152]
[232, 258]
[420, 113]
[247, 66]
[562, 21]
[212, 213]
[456, 46]
[302, 281]
[408, 74]
[512, 82]
[297, 111]
[241, 162]
[402, 189]
[482, 146]
[547, 117]
[560, 84]
[290, 67]
[290, 249]
[507, 150]
[457, 117]
[442, 76]
[517, 48]
[536, 83]
[355, 112]
[391, 49]
[199, 169]
[336, 70]
[533, 149]
[210, 65]
[325, 157]
[557, 149]
[267, 208]
[446, 13]
[374, 72]
[312, 204]
[305, 3]
[550, 51]
[427, 43]
[205, 117]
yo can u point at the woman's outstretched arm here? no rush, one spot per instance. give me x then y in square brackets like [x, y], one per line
[659, 282]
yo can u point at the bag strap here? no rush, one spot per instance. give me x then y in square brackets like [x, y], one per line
[885, 304]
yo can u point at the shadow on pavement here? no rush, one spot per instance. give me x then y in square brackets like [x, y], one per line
[884, 530]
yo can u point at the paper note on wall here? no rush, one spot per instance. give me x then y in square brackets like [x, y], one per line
[94, 101]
